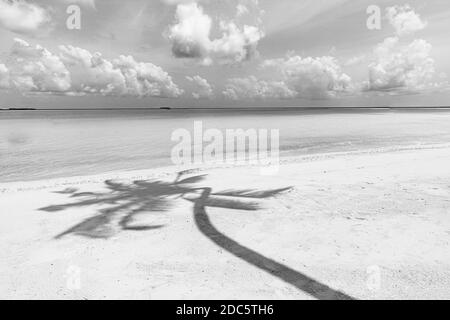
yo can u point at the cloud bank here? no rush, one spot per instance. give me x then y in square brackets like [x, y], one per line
[204, 89]
[34, 68]
[310, 78]
[78, 71]
[254, 88]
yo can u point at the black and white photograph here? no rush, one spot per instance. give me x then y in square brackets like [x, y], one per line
[224, 150]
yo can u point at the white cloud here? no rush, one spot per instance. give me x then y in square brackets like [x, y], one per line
[405, 20]
[92, 73]
[75, 71]
[253, 88]
[190, 37]
[236, 45]
[309, 78]
[4, 77]
[146, 79]
[34, 68]
[21, 16]
[241, 10]
[123, 76]
[204, 89]
[320, 77]
[398, 67]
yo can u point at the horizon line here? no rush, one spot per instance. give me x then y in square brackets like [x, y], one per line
[164, 108]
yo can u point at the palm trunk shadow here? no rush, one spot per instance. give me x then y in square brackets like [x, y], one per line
[291, 276]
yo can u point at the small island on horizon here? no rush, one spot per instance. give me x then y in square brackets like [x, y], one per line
[17, 109]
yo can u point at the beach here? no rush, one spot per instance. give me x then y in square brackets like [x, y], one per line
[224, 156]
[370, 224]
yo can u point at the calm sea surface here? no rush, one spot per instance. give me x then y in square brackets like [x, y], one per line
[47, 144]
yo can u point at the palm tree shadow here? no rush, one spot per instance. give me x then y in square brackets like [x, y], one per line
[291, 276]
[124, 202]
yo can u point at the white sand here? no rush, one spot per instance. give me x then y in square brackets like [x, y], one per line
[346, 217]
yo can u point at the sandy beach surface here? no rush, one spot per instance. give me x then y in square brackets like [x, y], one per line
[354, 225]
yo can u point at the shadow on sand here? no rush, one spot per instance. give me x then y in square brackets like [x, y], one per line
[125, 201]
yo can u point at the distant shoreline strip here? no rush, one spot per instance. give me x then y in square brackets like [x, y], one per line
[226, 108]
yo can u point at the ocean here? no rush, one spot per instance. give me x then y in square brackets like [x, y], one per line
[44, 144]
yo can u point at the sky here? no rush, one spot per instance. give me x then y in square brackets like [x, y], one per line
[219, 53]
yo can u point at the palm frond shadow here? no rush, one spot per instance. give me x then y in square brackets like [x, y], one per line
[125, 201]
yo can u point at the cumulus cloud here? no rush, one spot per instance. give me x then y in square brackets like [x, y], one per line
[122, 76]
[310, 78]
[405, 20]
[34, 68]
[76, 71]
[22, 17]
[4, 77]
[398, 67]
[241, 10]
[253, 88]
[146, 79]
[236, 44]
[190, 37]
[204, 89]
